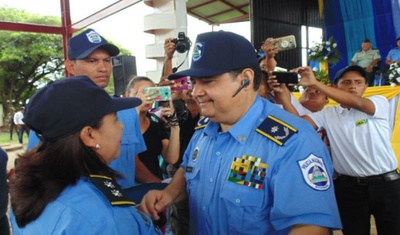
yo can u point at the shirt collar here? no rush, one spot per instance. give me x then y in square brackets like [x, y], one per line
[240, 130]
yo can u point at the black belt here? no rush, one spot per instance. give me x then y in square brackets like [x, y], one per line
[374, 179]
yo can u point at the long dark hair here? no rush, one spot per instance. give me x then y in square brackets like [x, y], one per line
[40, 177]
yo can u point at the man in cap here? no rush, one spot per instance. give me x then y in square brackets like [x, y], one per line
[90, 54]
[368, 58]
[238, 166]
[359, 134]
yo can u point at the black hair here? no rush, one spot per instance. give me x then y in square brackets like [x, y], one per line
[40, 177]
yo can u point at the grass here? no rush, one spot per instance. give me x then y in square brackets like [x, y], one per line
[5, 137]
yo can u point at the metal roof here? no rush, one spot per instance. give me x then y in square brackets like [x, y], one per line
[216, 12]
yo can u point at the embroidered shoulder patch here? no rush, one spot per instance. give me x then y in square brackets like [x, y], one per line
[248, 171]
[276, 130]
[111, 190]
[202, 123]
[314, 172]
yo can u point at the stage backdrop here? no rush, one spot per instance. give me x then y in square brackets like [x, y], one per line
[351, 21]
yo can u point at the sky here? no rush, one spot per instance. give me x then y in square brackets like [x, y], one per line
[124, 28]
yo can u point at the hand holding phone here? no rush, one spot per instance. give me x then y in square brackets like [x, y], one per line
[285, 43]
[156, 111]
[286, 77]
[181, 84]
[162, 93]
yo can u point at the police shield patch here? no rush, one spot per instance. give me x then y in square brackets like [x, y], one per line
[314, 172]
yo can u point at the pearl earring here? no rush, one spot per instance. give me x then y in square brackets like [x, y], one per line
[97, 146]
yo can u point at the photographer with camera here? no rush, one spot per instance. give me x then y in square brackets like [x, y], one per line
[181, 44]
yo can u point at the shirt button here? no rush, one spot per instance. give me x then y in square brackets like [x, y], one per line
[218, 153]
[211, 180]
[237, 200]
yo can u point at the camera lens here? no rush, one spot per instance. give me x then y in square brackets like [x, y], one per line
[182, 43]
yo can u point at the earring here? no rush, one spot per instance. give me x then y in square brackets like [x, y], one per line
[97, 146]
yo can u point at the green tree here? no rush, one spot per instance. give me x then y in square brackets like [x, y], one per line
[27, 60]
[30, 60]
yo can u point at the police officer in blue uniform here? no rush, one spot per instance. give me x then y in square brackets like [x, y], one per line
[90, 54]
[65, 186]
[250, 167]
[394, 54]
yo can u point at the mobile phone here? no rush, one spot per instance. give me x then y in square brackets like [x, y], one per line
[181, 84]
[286, 43]
[156, 111]
[163, 92]
[286, 77]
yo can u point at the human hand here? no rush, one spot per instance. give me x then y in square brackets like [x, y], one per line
[147, 99]
[307, 76]
[154, 202]
[169, 48]
[281, 91]
[269, 47]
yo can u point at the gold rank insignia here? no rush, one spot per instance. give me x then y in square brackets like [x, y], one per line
[111, 190]
[276, 130]
[202, 123]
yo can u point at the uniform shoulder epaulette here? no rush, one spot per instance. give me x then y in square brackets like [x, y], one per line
[202, 123]
[359, 51]
[276, 130]
[111, 190]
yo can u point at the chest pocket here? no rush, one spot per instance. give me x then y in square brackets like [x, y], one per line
[245, 208]
[192, 175]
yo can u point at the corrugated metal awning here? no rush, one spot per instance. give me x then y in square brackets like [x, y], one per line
[215, 12]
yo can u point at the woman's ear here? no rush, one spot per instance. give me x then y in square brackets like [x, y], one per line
[87, 136]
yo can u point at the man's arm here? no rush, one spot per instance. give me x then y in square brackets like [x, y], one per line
[346, 99]
[371, 66]
[156, 201]
[270, 50]
[142, 174]
[169, 49]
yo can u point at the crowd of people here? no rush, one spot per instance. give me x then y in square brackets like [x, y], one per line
[236, 153]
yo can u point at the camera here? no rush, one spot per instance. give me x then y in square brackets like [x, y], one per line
[182, 43]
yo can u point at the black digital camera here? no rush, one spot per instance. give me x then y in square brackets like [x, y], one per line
[182, 43]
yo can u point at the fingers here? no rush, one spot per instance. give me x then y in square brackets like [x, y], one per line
[147, 98]
[166, 82]
[155, 201]
[169, 47]
[147, 204]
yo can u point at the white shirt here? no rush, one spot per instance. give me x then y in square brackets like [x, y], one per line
[18, 118]
[300, 108]
[360, 143]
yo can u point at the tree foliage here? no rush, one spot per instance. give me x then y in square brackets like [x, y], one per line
[30, 60]
[27, 60]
